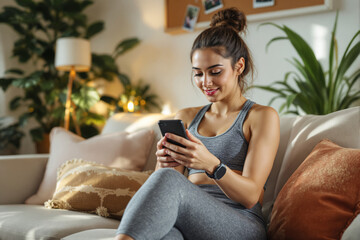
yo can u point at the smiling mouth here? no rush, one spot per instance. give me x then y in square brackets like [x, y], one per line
[210, 92]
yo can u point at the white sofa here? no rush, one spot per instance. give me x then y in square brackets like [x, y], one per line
[20, 176]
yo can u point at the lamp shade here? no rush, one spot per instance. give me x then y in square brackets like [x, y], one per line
[73, 53]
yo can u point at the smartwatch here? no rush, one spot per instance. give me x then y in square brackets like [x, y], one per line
[219, 172]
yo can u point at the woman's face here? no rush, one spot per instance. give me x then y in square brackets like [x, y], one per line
[214, 75]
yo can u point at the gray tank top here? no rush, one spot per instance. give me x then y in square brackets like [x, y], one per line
[229, 147]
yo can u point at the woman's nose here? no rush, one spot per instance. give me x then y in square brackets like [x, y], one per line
[207, 81]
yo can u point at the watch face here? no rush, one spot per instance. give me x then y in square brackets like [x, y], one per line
[220, 172]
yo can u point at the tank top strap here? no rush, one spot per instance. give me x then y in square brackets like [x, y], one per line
[199, 116]
[245, 110]
[242, 115]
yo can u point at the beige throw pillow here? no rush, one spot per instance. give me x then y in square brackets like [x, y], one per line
[121, 150]
[94, 188]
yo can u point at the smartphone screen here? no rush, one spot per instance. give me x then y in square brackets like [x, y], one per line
[173, 126]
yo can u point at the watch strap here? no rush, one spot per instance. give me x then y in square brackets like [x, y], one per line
[219, 172]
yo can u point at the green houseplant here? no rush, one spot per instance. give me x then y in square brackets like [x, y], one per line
[316, 91]
[38, 25]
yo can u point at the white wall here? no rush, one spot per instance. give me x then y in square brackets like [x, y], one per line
[163, 60]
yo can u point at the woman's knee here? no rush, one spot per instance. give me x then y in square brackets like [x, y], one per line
[168, 180]
[165, 175]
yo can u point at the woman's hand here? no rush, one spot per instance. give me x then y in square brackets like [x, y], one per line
[195, 155]
[164, 160]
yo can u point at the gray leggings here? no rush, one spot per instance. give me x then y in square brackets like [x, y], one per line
[169, 206]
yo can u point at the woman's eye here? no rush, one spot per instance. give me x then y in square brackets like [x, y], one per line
[216, 73]
[197, 74]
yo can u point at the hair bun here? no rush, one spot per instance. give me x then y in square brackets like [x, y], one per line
[230, 17]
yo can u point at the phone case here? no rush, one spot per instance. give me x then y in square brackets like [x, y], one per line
[173, 126]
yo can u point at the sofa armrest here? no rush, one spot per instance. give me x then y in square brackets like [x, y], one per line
[20, 176]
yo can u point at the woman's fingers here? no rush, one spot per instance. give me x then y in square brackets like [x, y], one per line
[159, 144]
[178, 139]
[181, 155]
[167, 161]
[181, 159]
[169, 164]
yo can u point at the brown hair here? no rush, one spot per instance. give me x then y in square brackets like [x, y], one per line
[224, 39]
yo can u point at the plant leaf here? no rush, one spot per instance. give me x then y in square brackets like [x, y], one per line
[15, 103]
[15, 71]
[94, 29]
[124, 46]
[25, 82]
[104, 62]
[108, 99]
[273, 40]
[346, 62]
[24, 118]
[124, 79]
[88, 131]
[5, 83]
[332, 47]
[86, 97]
[290, 100]
[37, 134]
[349, 99]
[271, 89]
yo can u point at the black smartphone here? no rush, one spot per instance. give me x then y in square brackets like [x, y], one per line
[173, 126]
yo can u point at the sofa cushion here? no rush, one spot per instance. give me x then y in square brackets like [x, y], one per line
[132, 122]
[321, 197]
[342, 127]
[120, 149]
[95, 188]
[37, 222]
[94, 234]
[286, 124]
[20, 176]
[353, 231]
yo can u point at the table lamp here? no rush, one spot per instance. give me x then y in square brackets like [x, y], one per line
[72, 55]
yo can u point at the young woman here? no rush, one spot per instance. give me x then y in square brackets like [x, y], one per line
[230, 152]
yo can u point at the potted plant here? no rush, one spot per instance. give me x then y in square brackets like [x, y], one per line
[38, 25]
[10, 136]
[316, 91]
[135, 98]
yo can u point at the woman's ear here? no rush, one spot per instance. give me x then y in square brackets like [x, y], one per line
[240, 66]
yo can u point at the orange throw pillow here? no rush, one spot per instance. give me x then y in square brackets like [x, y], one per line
[321, 198]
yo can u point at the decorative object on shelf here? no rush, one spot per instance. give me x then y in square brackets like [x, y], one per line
[38, 25]
[135, 98]
[316, 91]
[72, 55]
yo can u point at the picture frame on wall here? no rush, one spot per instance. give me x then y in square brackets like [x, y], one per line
[263, 3]
[212, 5]
[192, 13]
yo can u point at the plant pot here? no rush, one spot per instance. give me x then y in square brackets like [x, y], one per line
[44, 145]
